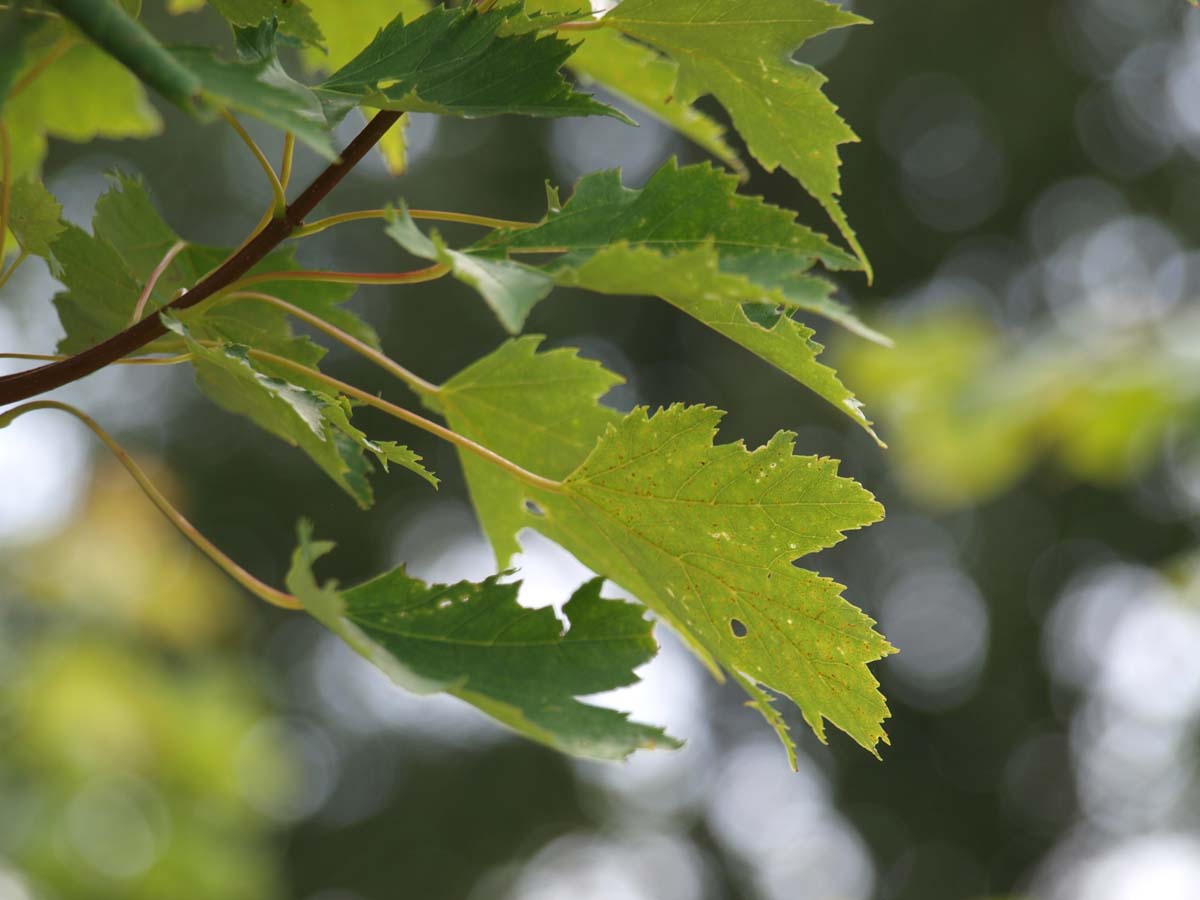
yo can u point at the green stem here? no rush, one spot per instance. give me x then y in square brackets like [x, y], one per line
[436, 215]
[207, 547]
[265, 164]
[429, 273]
[590, 25]
[414, 381]
[536, 250]
[413, 418]
[7, 273]
[23, 385]
[131, 361]
[122, 36]
[289, 152]
[5, 185]
[162, 266]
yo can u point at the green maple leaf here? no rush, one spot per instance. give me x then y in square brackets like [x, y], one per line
[510, 289]
[641, 76]
[83, 95]
[258, 85]
[345, 36]
[295, 18]
[35, 217]
[644, 78]
[104, 274]
[17, 30]
[680, 209]
[728, 260]
[473, 641]
[196, 80]
[316, 422]
[692, 282]
[703, 534]
[457, 62]
[539, 409]
[740, 51]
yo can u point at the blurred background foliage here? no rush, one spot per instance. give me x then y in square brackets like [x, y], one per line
[1026, 187]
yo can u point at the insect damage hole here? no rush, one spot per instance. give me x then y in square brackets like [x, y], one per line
[738, 627]
[533, 509]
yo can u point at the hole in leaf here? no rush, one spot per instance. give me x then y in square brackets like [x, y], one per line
[533, 509]
[738, 628]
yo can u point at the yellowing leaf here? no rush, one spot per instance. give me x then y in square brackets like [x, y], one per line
[84, 95]
[349, 27]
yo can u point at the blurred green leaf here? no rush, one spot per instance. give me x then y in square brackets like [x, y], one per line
[294, 17]
[17, 27]
[83, 95]
[972, 411]
[116, 30]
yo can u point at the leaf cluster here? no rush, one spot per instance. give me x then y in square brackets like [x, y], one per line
[706, 535]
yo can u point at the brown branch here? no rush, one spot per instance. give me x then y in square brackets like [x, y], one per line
[23, 385]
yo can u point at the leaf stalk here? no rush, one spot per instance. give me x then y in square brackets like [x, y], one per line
[187, 529]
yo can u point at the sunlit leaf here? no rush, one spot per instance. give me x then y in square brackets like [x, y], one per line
[85, 94]
[740, 51]
[536, 408]
[644, 78]
[703, 534]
